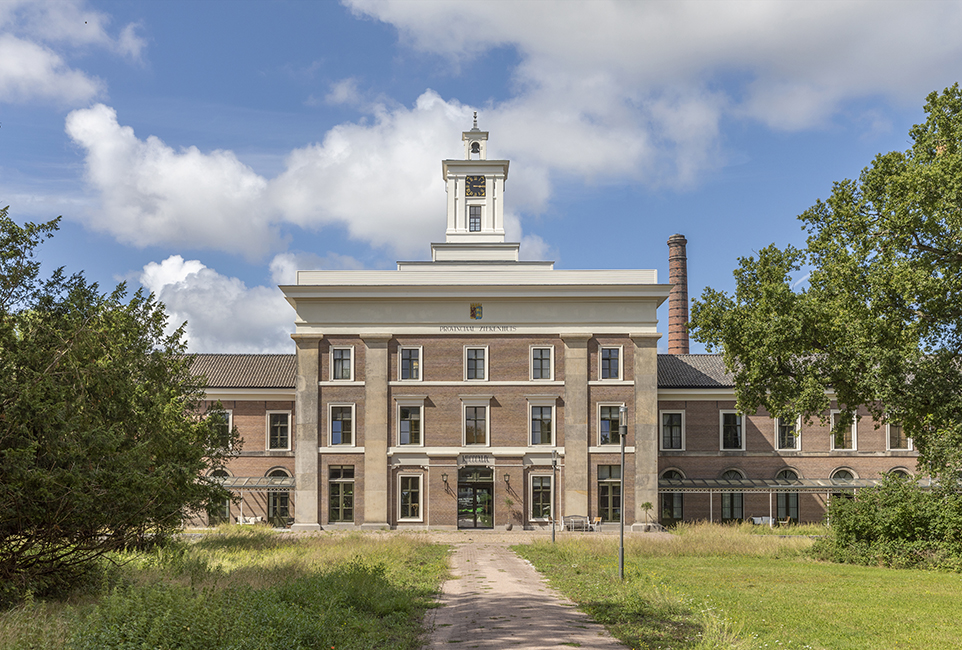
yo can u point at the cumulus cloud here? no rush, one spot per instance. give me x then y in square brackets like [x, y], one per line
[154, 194]
[222, 314]
[38, 36]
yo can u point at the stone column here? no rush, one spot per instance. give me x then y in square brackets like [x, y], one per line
[576, 424]
[376, 435]
[645, 435]
[306, 395]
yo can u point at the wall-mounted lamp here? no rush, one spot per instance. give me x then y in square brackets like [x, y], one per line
[444, 477]
[507, 478]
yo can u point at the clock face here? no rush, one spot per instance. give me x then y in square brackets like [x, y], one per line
[474, 186]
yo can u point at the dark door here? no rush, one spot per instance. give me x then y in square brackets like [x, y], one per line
[475, 505]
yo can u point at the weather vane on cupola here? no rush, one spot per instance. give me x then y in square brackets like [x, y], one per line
[475, 121]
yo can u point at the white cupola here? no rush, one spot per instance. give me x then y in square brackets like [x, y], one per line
[475, 188]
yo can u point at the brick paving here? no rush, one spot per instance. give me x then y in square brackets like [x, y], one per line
[497, 600]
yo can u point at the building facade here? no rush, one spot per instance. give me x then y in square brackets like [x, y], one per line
[477, 390]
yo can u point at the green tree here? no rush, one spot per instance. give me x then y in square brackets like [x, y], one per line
[879, 320]
[102, 444]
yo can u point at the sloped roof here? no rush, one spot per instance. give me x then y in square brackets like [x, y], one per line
[279, 370]
[246, 370]
[693, 371]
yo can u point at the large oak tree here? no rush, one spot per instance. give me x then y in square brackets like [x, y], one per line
[102, 445]
[879, 321]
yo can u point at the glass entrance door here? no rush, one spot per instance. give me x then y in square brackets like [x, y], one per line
[476, 498]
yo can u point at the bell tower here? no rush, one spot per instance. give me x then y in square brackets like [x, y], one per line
[475, 206]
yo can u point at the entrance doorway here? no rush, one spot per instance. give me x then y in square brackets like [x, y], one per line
[476, 497]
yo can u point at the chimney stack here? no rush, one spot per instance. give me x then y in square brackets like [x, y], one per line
[678, 298]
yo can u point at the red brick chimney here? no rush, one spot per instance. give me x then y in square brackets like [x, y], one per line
[678, 298]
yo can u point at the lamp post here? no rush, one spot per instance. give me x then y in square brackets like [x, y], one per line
[622, 433]
[554, 476]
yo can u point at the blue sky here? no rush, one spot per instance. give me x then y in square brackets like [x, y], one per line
[206, 150]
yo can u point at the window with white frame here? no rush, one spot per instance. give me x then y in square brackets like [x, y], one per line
[340, 488]
[223, 420]
[732, 503]
[409, 497]
[610, 363]
[219, 511]
[608, 419]
[786, 503]
[609, 492]
[342, 363]
[787, 433]
[474, 218]
[542, 363]
[342, 424]
[541, 498]
[409, 366]
[732, 437]
[409, 422]
[278, 430]
[278, 501]
[672, 430]
[542, 422]
[897, 441]
[476, 421]
[475, 363]
[672, 503]
[845, 439]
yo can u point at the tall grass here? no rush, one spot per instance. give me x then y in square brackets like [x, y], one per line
[248, 588]
[721, 587]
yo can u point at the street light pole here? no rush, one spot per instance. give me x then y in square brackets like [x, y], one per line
[554, 482]
[622, 433]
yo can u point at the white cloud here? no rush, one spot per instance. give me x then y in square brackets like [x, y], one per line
[153, 194]
[222, 313]
[344, 92]
[284, 267]
[31, 71]
[798, 60]
[36, 39]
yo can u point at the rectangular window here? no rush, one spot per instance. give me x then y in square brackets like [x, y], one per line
[475, 363]
[672, 430]
[410, 364]
[410, 498]
[787, 432]
[342, 431]
[608, 425]
[342, 366]
[732, 506]
[474, 218]
[844, 440]
[409, 425]
[611, 363]
[341, 491]
[541, 497]
[732, 437]
[609, 492]
[278, 431]
[541, 366]
[897, 439]
[223, 421]
[541, 424]
[475, 425]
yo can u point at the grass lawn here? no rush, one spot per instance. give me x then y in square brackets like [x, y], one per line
[246, 588]
[721, 587]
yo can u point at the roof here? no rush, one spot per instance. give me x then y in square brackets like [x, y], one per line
[693, 371]
[279, 370]
[246, 370]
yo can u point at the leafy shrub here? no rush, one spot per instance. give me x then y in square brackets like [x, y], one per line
[896, 524]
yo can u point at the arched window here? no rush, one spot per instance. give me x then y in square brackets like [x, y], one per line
[278, 501]
[672, 503]
[219, 513]
[787, 502]
[901, 473]
[732, 502]
[842, 476]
